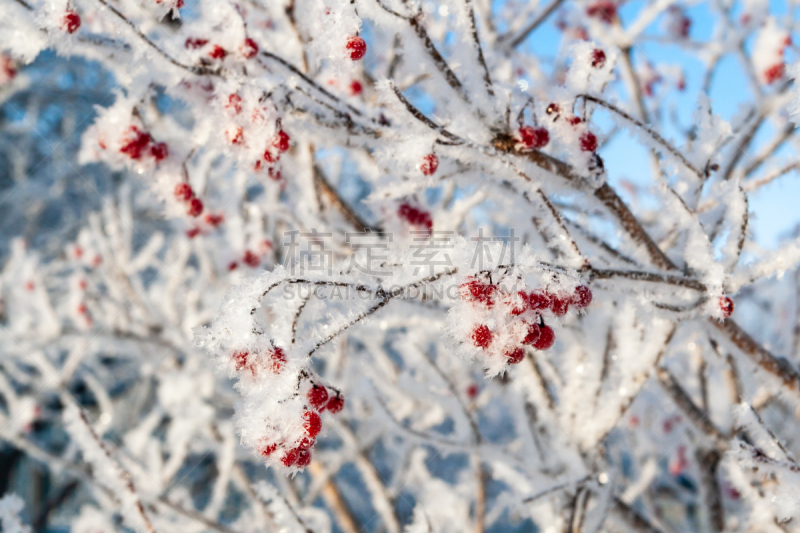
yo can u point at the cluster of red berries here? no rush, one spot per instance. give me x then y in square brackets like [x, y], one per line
[185, 193]
[775, 72]
[357, 47]
[415, 216]
[298, 453]
[70, 22]
[605, 10]
[248, 49]
[537, 334]
[138, 143]
[429, 164]
[530, 137]
[587, 140]
[273, 361]
[598, 58]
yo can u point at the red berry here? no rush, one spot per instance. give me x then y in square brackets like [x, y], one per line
[136, 143]
[429, 164]
[539, 300]
[318, 397]
[582, 297]
[240, 359]
[277, 359]
[553, 108]
[249, 48]
[598, 58]
[546, 338]
[184, 192]
[604, 10]
[312, 423]
[7, 67]
[726, 304]
[214, 220]
[534, 332]
[195, 207]
[774, 73]
[71, 22]
[217, 52]
[335, 404]
[482, 336]
[192, 233]
[290, 458]
[355, 88]
[235, 103]
[303, 458]
[267, 449]
[357, 47]
[588, 142]
[250, 259]
[515, 356]
[559, 305]
[519, 303]
[268, 157]
[281, 142]
[534, 137]
[474, 290]
[233, 265]
[574, 121]
[159, 151]
[472, 391]
[195, 43]
[235, 135]
[305, 443]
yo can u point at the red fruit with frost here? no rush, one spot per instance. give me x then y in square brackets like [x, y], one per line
[429, 164]
[515, 356]
[357, 47]
[546, 338]
[355, 88]
[184, 192]
[533, 137]
[605, 10]
[249, 48]
[588, 142]
[71, 22]
[192, 233]
[335, 404]
[598, 58]
[312, 423]
[474, 290]
[195, 42]
[250, 259]
[533, 334]
[240, 359]
[726, 305]
[159, 151]
[234, 103]
[214, 220]
[482, 336]
[318, 397]
[277, 360]
[518, 303]
[290, 458]
[136, 142]
[217, 52]
[303, 458]
[473, 391]
[195, 207]
[774, 73]
[281, 141]
[267, 449]
[538, 300]
[233, 265]
[582, 296]
[235, 135]
[559, 305]
[553, 109]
